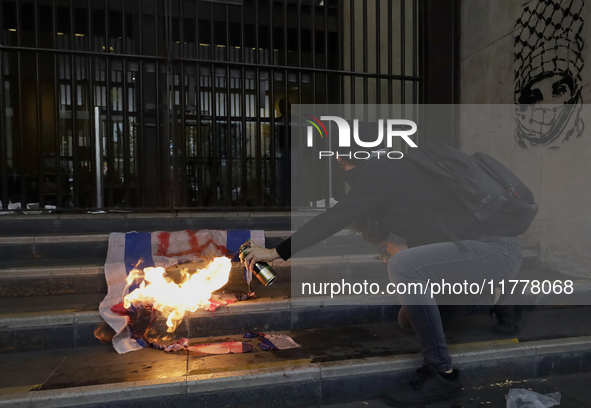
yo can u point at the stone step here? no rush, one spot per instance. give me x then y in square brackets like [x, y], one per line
[79, 275]
[332, 366]
[67, 321]
[53, 322]
[88, 224]
[77, 279]
[54, 250]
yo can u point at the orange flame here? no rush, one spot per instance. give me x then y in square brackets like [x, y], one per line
[174, 300]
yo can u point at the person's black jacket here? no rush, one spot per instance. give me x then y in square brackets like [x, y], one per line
[398, 194]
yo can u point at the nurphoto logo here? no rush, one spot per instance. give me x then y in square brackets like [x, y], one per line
[393, 128]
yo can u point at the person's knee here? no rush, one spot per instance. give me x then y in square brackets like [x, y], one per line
[400, 267]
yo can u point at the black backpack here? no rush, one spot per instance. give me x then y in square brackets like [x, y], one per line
[500, 202]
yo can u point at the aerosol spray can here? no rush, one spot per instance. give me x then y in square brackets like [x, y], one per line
[261, 270]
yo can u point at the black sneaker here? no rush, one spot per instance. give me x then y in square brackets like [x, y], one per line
[427, 387]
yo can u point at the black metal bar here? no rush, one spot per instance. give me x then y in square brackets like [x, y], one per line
[229, 157]
[352, 38]
[80, 52]
[285, 31]
[326, 38]
[18, 23]
[415, 52]
[91, 116]
[328, 162]
[170, 110]
[242, 46]
[181, 25]
[159, 163]
[390, 54]
[107, 42]
[109, 134]
[73, 99]
[56, 114]
[182, 149]
[415, 59]
[258, 143]
[341, 40]
[365, 58]
[288, 140]
[212, 53]
[23, 182]
[271, 49]
[36, 22]
[378, 52]
[139, 107]
[3, 124]
[40, 172]
[3, 134]
[126, 133]
[314, 38]
[313, 50]
[403, 49]
[244, 181]
[200, 156]
[256, 33]
[156, 37]
[258, 171]
[231, 63]
[299, 33]
[108, 123]
[140, 32]
[272, 144]
[199, 107]
[214, 145]
[297, 165]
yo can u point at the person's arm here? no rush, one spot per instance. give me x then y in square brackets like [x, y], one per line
[357, 202]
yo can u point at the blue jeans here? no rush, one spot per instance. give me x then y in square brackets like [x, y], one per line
[490, 257]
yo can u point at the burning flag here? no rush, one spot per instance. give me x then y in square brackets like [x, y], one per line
[139, 286]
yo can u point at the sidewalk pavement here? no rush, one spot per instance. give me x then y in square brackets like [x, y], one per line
[575, 392]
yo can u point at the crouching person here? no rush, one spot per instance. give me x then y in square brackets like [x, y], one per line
[444, 241]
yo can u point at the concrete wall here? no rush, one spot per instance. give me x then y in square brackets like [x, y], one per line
[559, 174]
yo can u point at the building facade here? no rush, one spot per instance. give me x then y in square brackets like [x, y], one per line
[183, 104]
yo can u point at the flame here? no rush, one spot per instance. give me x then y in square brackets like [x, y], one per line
[174, 300]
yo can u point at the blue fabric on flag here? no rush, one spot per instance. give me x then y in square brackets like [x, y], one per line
[234, 240]
[138, 245]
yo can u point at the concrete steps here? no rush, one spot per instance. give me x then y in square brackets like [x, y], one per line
[91, 249]
[67, 321]
[86, 224]
[54, 297]
[63, 271]
[51, 282]
[53, 322]
[355, 363]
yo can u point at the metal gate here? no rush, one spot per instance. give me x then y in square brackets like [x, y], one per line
[183, 104]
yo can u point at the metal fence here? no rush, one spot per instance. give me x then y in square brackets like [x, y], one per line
[183, 104]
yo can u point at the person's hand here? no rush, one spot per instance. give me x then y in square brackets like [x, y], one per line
[255, 254]
[388, 249]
